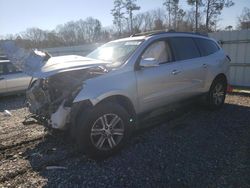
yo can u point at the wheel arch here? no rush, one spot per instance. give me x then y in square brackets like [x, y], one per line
[220, 76]
[122, 100]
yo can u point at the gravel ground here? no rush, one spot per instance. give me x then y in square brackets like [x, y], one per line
[198, 148]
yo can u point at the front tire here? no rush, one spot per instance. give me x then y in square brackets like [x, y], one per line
[102, 130]
[217, 94]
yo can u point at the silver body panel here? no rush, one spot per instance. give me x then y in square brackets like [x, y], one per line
[152, 87]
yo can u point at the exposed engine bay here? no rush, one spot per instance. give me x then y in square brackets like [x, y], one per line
[51, 98]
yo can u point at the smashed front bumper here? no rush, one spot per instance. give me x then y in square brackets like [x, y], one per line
[60, 118]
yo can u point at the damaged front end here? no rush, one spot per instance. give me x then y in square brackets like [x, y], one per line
[50, 99]
[56, 81]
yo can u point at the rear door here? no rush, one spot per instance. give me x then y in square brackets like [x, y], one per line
[193, 66]
[15, 79]
[211, 59]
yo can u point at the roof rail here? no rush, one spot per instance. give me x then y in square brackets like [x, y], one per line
[195, 33]
[157, 32]
[154, 32]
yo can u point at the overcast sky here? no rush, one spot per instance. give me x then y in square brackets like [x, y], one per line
[18, 15]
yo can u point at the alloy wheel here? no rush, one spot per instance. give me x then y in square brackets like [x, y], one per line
[218, 94]
[107, 132]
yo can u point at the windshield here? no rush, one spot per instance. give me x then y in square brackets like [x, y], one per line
[115, 52]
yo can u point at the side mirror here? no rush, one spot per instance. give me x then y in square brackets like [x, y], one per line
[149, 62]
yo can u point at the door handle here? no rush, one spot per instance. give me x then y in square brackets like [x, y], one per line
[1, 78]
[175, 72]
[204, 65]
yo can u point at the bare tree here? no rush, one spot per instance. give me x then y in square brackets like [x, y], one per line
[244, 19]
[213, 9]
[190, 20]
[158, 24]
[197, 4]
[139, 21]
[118, 14]
[74, 33]
[106, 35]
[149, 20]
[131, 6]
[174, 13]
[93, 29]
[159, 17]
[35, 35]
[168, 5]
[68, 33]
[180, 17]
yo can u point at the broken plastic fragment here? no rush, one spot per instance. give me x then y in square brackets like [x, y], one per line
[59, 118]
[7, 113]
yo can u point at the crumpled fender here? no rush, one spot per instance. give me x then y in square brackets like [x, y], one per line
[95, 95]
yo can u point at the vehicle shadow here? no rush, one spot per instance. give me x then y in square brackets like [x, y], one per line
[196, 148]
[12, 102]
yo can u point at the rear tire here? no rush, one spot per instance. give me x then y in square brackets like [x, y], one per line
[102, 130]
[217, 94]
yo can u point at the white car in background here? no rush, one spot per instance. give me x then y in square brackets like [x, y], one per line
[12, 80]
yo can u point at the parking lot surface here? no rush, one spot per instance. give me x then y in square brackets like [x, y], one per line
[197, 148]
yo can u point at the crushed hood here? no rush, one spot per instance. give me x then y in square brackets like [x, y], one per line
[41, 65]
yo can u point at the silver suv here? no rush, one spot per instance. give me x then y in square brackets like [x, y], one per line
[99, 98]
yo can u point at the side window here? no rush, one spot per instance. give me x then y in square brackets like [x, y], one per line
[11, 69]
[206, 47]
[160, 51]
[184, 48]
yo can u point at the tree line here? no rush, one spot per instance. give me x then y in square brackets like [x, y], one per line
[202, 16]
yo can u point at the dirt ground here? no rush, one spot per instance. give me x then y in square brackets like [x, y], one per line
[198, 148]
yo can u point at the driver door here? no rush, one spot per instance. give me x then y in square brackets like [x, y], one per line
[160, 84]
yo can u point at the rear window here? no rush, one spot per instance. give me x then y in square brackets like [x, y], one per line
[184, 48]
[10, 69]
[206, 47]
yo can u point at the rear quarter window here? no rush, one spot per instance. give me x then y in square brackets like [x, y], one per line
[184, 48]
[207, 47]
